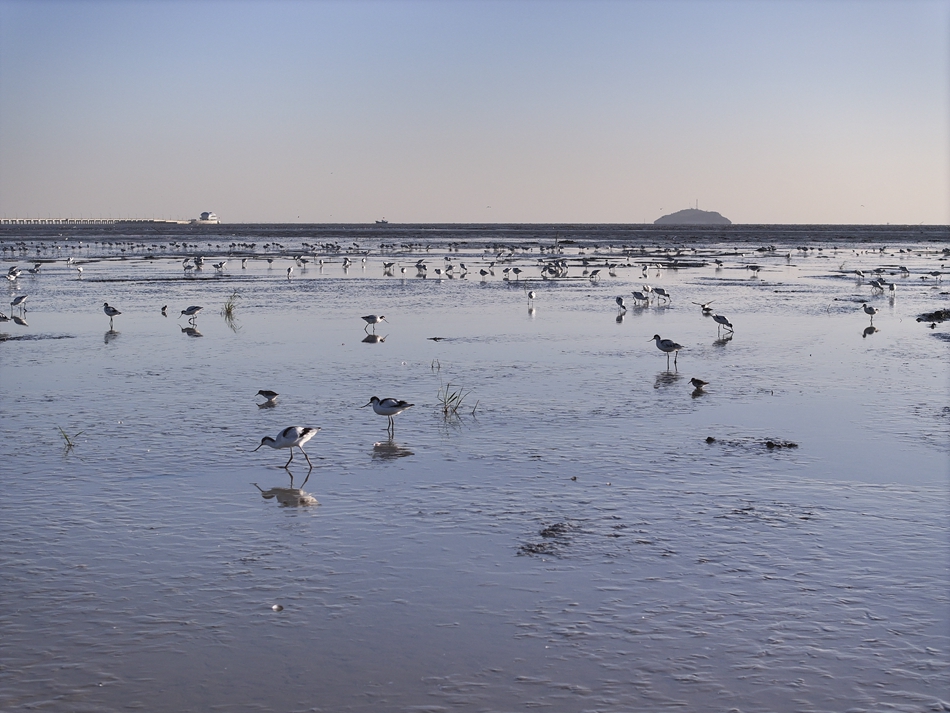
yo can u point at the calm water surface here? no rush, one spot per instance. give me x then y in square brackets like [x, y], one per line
[576, 544]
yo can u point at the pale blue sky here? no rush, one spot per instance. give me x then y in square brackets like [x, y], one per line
[617, 112]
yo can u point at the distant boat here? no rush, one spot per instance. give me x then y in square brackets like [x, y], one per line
[382, 222]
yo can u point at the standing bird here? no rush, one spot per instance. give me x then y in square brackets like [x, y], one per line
[290, 437]
[531, 296]
[388, 408]
[722, 322]
[666, 346]
[110, 312]
[79, 270]
[191, 313]
[870, 311]
[660, 292]
[18, 301]
[268, 394]
[621, 305]
[698, 384]
[164, 311]
[373, 319]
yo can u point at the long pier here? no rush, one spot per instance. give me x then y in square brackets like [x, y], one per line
[87, 221]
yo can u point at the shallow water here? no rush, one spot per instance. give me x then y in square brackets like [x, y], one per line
[575, 544]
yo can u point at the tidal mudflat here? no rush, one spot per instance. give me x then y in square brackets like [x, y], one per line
[587, 532]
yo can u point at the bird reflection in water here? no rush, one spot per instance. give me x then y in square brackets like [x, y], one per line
[723, 340]
[389, 450]
[869, 331]
[110, 335]
[621, 316]
[373, 339]
[288, 497]
[666, 378]
[191, 331]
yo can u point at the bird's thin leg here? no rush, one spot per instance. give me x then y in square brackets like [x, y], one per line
[307, 457]
[291, 457]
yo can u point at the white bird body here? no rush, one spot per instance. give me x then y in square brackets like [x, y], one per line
[291, 437]
[191, 311]
[869, 311]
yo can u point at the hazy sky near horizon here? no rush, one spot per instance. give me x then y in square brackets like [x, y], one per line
[770, 111]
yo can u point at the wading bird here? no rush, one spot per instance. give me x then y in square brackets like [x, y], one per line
[291, 437]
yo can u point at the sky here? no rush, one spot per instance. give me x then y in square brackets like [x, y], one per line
[487, 111]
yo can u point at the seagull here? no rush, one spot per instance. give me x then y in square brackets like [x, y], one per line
[666, 346]
[722, 322]
[388, 408]
[267, 394]
[290, 437]
[110, 312]
[870, 310]
[698, 384]
[373, 319]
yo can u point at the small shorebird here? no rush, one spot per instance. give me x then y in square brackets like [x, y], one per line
[267, 394]
[621, 304]
[18, 301]
[640, 297]
[660, 292]
[722, 322]
[291, 437]
[373, 319]
[698, 384]
[290, 271]
[79, 270]
[870, 311]
[388, 408]
[191, 312]
[243, 263]
[704, 306]
[164, 310]
[531, 296]
[110, 312]
[666, 346]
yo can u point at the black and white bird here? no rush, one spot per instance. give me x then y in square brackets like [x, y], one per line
[698, 384]
[111, 312]
[373, 319]
[869, 311]
[191, 312]
[722, 322]
[667, 346]
[291, 437]
[388, 408]
[268, 394]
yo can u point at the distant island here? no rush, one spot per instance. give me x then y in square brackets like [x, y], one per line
[693, 216]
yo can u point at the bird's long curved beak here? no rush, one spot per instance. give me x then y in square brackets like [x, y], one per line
[365, 405]
[257, 449]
